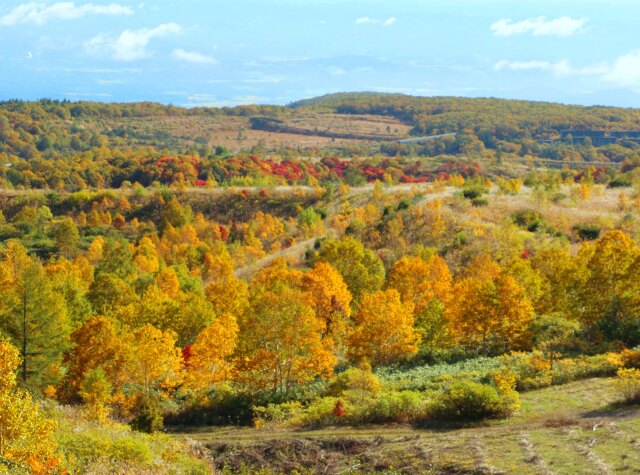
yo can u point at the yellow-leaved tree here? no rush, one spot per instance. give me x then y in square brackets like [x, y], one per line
[489, 311]
[331, 301]
[281, 343]
[225, 291]
[610, 274]
[155, 365]
[209, 359]
[384, 332]
[26, 443]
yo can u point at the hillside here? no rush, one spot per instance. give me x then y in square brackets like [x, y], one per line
[452, 294]
[70, 146]
[572, 428]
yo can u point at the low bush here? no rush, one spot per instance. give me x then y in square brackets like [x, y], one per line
[627, 384]
[467, 400]
[149, 417]
[620, 182]
[474, 192]
[587, 232]
[536, 370]
[384, 407]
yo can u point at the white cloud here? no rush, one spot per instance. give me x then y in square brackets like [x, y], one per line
[192, 57]
[365, 20]
[285, 59]
[210, 100]
[625, 70]
[260, 78]
[109, 82]
[131, 44]
[560, 68]
[539, 26]
[40, 13]
[336, 71]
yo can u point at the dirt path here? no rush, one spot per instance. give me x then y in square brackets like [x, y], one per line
[296, 251]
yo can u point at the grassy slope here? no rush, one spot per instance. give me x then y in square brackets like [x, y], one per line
[89, 448]
[572, 428]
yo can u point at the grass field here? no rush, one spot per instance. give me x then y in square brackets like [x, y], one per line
[572, 429]
[236, 134]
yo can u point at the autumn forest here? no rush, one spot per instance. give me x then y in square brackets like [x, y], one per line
[168, 271]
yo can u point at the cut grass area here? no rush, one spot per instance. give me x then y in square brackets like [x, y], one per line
[573, 428]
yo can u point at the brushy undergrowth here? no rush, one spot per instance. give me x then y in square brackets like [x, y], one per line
[470, 390]
[89, 447]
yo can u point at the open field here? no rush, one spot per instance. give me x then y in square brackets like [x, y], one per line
[571, 429]
[236, 133]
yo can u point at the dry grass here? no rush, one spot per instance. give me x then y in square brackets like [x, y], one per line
[235, 133]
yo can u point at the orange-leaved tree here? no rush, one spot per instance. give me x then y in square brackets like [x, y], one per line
[419, 281]
[98, 343]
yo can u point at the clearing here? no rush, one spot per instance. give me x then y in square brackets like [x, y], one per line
[573, 428]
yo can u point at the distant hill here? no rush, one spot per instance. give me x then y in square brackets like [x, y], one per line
[38, 139]
[491, 119]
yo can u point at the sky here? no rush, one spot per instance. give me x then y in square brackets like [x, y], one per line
[230, 52]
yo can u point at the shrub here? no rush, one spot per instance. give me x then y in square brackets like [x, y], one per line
[359, 379]
[149, 418]
[276, 413]
[558, 197]
[474, 192]
[619, 182]
[627, 384]
[466, 400]
[394, 406]
[529, 219]
[321, 412]
[587, 232]
[479, 202]
[534, 371]
[630, 358]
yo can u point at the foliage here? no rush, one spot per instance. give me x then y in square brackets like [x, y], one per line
[627, 384]
[384, 332]
[361, 269]
[489, 311]
[209, 357]
[25, 433]
[149, 417]
[467, 400]
[280, 342]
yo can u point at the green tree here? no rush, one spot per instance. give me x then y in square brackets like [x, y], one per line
[67, 237]
[34, 316]
[361, 268]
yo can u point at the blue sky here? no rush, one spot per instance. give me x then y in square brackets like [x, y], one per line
[227, 52]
